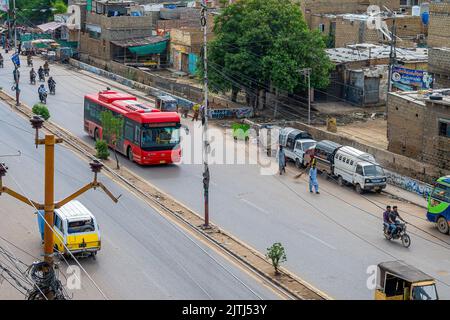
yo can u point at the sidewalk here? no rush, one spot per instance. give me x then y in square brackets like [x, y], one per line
[406, 195]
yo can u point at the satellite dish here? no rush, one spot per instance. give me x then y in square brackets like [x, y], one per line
[74, 20]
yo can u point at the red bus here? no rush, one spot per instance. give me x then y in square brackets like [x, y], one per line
[149, 136]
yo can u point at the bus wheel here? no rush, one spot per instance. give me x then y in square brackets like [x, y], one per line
[442, 225]
[130, 154]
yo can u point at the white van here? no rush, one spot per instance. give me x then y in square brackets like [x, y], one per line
[295, 143]
[359, 169]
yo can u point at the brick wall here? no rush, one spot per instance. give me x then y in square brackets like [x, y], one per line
[439, 28]
[436, 149]
[346, 32]
[439, 66]
[394, 162]
[405, 126]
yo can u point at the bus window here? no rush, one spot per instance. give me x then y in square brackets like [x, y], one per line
[441, 192]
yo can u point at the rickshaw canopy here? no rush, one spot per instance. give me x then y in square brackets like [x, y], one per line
[404, 271]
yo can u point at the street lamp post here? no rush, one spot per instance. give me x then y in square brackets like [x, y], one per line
[307, 72]
[206, 174]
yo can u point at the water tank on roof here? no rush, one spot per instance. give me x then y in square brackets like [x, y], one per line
[415, 11]
[425, 12]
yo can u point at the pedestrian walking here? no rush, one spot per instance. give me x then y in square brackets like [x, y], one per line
[281, 160]
[313, 179]
[196, 109]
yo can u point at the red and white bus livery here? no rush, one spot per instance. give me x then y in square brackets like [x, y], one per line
[149, 136]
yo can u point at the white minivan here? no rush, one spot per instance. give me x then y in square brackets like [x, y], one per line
[360, 169]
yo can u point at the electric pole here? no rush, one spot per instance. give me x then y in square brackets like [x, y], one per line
[392, 60]
[16, 52]
[307, 72]
[206, 174]
[49, 204]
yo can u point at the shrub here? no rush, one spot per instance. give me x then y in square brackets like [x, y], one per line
[277, 254]
[41, 110]
[102, 149]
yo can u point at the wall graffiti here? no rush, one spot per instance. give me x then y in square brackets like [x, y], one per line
[409, 184]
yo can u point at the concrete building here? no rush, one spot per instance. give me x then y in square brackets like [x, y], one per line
[439, 67]
[345, 29]
[114, 31]
[361, 73]
[185, 48]
[439, 28]
[419, 127]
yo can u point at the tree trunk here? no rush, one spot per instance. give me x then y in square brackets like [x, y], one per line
[117, 158]
[260, 96]
[234, 93]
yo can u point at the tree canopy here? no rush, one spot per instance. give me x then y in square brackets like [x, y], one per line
[262, 44]
[33, 12]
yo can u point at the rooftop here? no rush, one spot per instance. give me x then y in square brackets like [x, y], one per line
[366, 51]
[421, 97]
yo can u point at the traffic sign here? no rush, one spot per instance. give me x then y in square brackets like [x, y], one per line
[16, 59]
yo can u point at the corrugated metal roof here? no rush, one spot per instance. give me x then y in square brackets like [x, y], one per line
[139, 41]
[50, 26]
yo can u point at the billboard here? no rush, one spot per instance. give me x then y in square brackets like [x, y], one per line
[410, 78]
[4, 5]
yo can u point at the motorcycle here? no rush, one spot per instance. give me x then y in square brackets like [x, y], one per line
[398, 233]
[52, 89]
[43, 98]
[1, 63]
[30, 62]
[46, 72]
[41, 77]
[33, 79]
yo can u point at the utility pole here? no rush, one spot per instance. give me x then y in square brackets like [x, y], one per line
[16, 67]
[206, 174]
[307, 72]
[49, 204]
[392, 60]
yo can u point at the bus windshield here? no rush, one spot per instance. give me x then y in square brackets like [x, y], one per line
[441, 192]
[160, 137]
[424, 292]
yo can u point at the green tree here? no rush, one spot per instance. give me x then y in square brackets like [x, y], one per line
[260, 45]
[112, 130]
[102, 149]
[31, 12]
[277, 255]
[41, 110]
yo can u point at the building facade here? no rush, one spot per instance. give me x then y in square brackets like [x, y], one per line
[419, 127]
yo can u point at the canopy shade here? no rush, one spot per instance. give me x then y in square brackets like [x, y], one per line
[144, 46]
[51, 26]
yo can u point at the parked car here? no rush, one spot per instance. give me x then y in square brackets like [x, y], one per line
[295, 142]
[358, 168]
[323, 153]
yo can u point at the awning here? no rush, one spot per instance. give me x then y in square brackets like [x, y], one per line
[51, 26]
[144, 46]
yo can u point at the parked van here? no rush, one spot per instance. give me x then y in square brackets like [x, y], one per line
[75, 228]
[324, 152]
[359, 169]
[166, 103]
[295, 143]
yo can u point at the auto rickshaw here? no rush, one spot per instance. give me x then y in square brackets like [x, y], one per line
[397, 280]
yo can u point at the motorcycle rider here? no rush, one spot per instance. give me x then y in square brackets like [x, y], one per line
[32, 75]
[46, 68]
[386, 220]
[41, 74]
[1, 61]
[51, 84]
[29, 60]
[42, 92]
[393, 216]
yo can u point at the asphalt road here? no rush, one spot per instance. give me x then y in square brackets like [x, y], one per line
[331, 239]
[144, 256]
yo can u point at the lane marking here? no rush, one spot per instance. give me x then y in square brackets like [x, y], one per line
[254, 206]
[317, 239]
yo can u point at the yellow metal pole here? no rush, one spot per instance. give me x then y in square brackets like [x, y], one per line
[49, 197]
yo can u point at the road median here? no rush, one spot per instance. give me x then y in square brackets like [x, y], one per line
[286, 283]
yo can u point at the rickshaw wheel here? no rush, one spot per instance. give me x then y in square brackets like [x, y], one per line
[406, 241]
